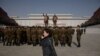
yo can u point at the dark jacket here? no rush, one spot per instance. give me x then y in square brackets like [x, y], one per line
[47, 47]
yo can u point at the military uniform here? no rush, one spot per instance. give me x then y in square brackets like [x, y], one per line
[62, 36]
[33, 36]
[18, 38]
[84, 30]
[79, 33]
[1, 34]
[9, 36]
[70, 32]
[23, 38]
[28, 35]
[39, 34]
[13, 34]
[5, 36]
[55, 36]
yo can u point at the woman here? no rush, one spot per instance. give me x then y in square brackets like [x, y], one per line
[47, 43]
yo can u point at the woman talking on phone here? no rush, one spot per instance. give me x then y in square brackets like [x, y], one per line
[47, 43]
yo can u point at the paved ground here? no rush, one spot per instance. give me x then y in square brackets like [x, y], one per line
[90, 47]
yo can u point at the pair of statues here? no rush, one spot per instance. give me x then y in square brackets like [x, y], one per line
[46, 18]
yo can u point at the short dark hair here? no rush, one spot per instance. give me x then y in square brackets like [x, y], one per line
[48, 31]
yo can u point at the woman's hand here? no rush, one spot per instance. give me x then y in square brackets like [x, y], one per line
[42, 37]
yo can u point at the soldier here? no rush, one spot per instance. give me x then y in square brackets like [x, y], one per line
[1, 34]
[18, 34]
[84, 30]
[5, 35]
[70, 32]
[39, 34]
[14, 34]
[28, 35]
[23, 38]
[46, 18]
[33, 35]
[55, 20]
[79, 33]
[10, 36]
[56, 35]
[62, 36]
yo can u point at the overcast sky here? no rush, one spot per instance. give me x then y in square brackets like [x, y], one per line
[24, 7]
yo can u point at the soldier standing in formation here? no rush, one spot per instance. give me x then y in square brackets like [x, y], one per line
[28, 35]
[62, 36]
[1, 35]
[20, 35]
[56, 36]
[84, 30]
[39, 34]
[9, 36]
[69, 33]
[79, 34]
[5, 35]
[33, 35]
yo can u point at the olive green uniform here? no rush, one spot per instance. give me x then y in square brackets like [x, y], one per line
[55, 36]
[79, 33]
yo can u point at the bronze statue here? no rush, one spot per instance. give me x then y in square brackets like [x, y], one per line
[55, 20]
[46, 18]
